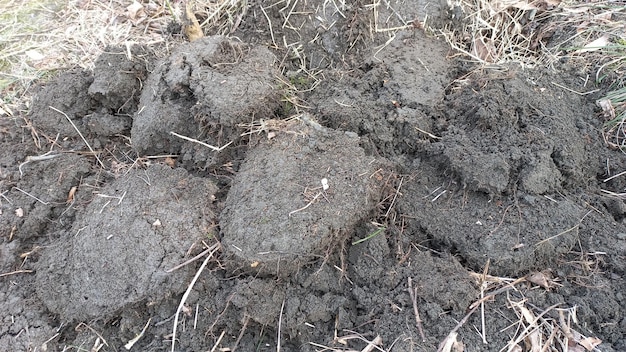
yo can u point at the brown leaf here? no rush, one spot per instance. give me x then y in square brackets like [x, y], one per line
[133, 11]
[540, 279]
[70, 195]
[483, 49]
[191, 26]
[458, 346]
[607, 108]
[169, 161]
[590, 342]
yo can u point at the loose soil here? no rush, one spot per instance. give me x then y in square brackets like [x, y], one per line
[330, 191]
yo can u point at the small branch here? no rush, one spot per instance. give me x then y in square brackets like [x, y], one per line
[393, 201]
[132, 342]
[306, 206]
[32, 196]
[217, 149]
[418, 320]
[280, 321]
[427, 133]
[186, 294]
[205, 252]
[15, 272]
[452, 333]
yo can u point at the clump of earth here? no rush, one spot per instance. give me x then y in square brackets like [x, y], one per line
[306, 210]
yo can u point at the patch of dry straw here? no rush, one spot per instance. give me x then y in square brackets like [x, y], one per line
[41, 37]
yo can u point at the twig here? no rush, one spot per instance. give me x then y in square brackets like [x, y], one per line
[246, 320]
[394, 197]
[531, 324]
[187, 292]
[219, 339]
[270, 23]
[45, 156]
[418, 320]
[483, 284]
[195, 317]
[15, 272]
[217, 149]
[371, 235]
[452, 333]
[494, 293]
[80, 134]
[92, 330]
[132, 342]
[308, 205]
[614, 176]
[210, 329]
[5, 197]
[32, 196]
[573, 91]
[427, 133]
[280, 321]
[213, 247]
[371, 345]
[558, 234]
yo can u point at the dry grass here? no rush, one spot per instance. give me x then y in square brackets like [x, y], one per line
[38, 38]
[536, 329]
[41, 37]
[545, 32]
[532, 32]
[220, 17]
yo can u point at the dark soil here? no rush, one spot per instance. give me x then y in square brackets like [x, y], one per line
[384, 164]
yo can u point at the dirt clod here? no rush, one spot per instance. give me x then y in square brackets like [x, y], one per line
[278, 214]
[121, 245]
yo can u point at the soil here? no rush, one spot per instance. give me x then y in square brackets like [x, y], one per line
[330, 191]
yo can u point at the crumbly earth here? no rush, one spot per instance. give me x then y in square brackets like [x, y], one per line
[438, 175]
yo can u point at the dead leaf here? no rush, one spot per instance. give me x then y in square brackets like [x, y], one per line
[540, 279]
[595, 45]
[134, 10]
[191, 26]
[70, 195]
[458, 346]
[527, 314]
[171, 162]
[534, 340]
[19, 212]
[590, 342]
[447, 344]
[483, 49]
[607, 108]
[34, 55]
[574, 348]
